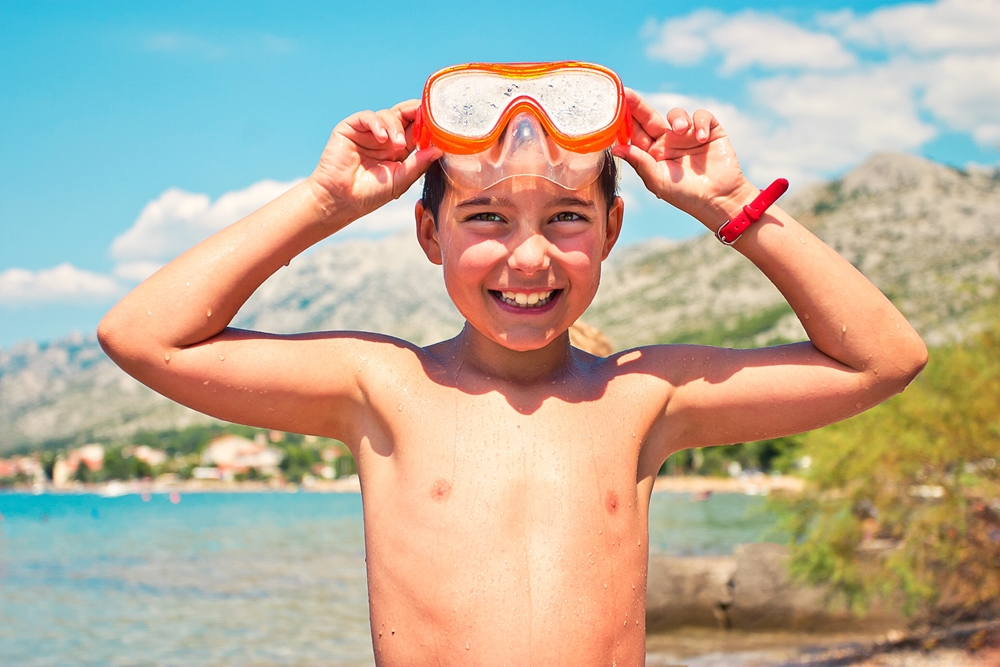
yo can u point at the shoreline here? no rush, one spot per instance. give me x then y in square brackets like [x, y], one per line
[750, 485]
[975, 644]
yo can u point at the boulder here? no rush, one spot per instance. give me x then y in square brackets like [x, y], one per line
[750, 590]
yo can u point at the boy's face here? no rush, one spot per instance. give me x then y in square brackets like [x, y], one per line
[524, 240]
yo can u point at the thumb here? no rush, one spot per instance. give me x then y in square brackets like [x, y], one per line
[413, 167]
[642, 162]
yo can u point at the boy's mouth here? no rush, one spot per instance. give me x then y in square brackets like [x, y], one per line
[525, 300]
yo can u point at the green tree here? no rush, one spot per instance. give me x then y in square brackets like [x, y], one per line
[904, 500]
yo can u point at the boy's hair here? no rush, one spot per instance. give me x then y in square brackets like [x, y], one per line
[436, 184]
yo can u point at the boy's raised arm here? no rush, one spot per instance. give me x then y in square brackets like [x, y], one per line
[171, 331]
[861, 350]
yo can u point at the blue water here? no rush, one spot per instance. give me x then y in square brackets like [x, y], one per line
[229, 579]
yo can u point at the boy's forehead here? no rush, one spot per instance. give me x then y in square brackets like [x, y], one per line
[522, 192]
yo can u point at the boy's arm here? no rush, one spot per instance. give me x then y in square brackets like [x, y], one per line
[171, 331]
[861, 350]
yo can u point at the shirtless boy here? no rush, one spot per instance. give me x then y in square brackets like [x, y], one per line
[506, 475]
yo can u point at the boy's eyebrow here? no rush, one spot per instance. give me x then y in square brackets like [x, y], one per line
[573, 201]
[497, 202]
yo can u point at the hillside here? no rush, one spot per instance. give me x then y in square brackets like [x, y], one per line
[926, 234]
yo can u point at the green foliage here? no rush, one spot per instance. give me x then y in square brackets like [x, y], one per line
[904, 500]
[776, 455]
[299, 462]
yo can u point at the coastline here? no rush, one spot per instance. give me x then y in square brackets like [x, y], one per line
[751, 485]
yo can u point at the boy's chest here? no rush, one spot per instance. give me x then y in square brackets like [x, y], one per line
[479, 461]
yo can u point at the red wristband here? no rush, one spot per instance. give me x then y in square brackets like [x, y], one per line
[731, 231]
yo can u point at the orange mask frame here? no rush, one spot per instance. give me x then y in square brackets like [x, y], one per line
[427, 131]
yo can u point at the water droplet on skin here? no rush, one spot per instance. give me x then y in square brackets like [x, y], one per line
[605, 585]
[221, 357]
[166, 357]
[805, 316]
[843, 328]
[400, 408]
[189, 283]
[209, 313]
[897, 325]
[149, 313]
[802, 239]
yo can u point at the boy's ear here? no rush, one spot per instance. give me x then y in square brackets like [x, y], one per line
[427, 233]
[614, 227]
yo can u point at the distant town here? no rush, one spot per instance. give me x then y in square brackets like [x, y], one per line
[203, 458]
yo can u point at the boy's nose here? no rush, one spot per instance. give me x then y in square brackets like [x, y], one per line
[530, 255]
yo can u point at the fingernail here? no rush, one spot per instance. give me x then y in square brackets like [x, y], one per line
[680, 125]
[702, 135]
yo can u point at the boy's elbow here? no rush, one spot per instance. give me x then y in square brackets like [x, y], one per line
[904, 365]
[113, 335]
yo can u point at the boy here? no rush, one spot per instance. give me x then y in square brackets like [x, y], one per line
[505, 475]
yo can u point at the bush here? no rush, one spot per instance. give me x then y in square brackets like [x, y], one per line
[904, 500]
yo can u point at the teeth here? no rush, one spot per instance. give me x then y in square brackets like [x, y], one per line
[522, 300]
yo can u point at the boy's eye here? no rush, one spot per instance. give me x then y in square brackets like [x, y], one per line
[487, 217]
[567, 216]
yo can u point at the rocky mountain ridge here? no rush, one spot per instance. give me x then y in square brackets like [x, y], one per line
[926, 234]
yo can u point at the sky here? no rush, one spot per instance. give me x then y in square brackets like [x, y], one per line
[130, 131]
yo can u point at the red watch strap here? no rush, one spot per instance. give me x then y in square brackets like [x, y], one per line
[731, 230]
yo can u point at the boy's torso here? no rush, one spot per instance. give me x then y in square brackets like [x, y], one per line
[506, 524]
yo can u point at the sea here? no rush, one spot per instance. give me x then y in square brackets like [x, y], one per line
[231, 579]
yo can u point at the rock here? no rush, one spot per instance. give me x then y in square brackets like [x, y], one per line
[688, 591]
[751, 590]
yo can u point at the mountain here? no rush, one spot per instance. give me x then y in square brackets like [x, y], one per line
[928, 235]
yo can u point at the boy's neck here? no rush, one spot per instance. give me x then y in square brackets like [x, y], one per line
[483, 356]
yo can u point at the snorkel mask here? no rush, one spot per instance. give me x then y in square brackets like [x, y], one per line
[495, 121]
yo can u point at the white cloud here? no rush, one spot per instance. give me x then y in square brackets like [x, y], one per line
[943, 27]
[964, 92]
[745, 40]
[177, 220]
[62, 283]
[891, 79]
[245, 45]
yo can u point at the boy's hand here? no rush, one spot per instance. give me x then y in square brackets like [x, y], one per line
[686, 161]
[369, 161]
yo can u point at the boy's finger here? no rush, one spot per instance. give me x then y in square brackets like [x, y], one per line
[646, 116]
[407, 109]
[679, 120]
[704, 123]
[393, 126]
[413, 167]
[640, 138]
[367, 122]
[641, 161]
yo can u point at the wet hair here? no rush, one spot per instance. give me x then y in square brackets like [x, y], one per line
[436, 185]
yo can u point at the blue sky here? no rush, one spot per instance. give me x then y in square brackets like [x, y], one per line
[130, 130]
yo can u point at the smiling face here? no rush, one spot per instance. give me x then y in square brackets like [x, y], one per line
[522, 259]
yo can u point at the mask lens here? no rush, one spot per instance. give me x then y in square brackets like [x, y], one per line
[471, 103]
[578, 102]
